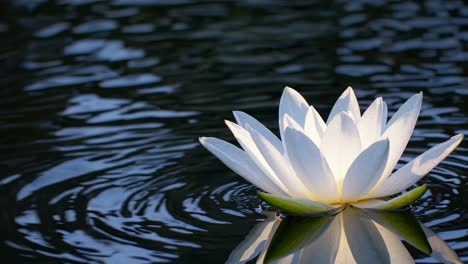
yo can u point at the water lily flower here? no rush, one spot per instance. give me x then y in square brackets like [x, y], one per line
[318, 166]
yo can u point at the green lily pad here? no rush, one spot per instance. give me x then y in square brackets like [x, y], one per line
[293, 234]
[295, 206]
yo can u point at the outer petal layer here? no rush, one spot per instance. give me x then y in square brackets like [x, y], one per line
[238, 161]
[417, 168]
[399, 130]
[244, 119]
[247, 143]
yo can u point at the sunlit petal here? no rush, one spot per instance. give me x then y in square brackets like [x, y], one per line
[280, 166]
[314, 126]
[371, 122]
[417, 168]
[247, 143]
[365, 171]
[288, 121]
[293, 104]
[310, 166]
[341, 145]
[244, 119]
[346, 103]
[238, 161]
[399, 130]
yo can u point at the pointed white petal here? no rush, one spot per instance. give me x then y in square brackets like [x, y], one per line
[288, 121]
[279, 165]
[244, 119]
[417, 168]
[293, 104]
[365, 171]
[255, 241]
[346, 103]
[341, 145]
[399, 130]
[238, 161]
[310, 166]
[412, 105]
[314, 126]
[370, 124]
[247, 143]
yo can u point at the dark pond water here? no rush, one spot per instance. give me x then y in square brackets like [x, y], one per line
[102, 104]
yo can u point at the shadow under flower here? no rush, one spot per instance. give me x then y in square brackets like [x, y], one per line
[350, 236]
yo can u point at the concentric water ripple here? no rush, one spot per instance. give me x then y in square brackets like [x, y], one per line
[102, 104]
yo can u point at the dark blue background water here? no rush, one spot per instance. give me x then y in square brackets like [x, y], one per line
[102, 104]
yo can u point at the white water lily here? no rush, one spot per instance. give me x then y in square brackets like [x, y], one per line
[318, 165]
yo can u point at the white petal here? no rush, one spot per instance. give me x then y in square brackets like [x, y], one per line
[238, 161]
[346, 103]
[244, 119]
[370, 124]
[341, 145]
[288, 121]
[293, 104]
[247, 143]
[310, 166]
[412, 105]
[314, 126]
[365, 171]
[417, 168]
[399, 130]
[280, 166]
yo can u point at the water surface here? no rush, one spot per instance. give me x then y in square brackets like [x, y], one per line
[102, 104]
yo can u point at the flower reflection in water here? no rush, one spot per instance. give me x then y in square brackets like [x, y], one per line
[351, 236]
